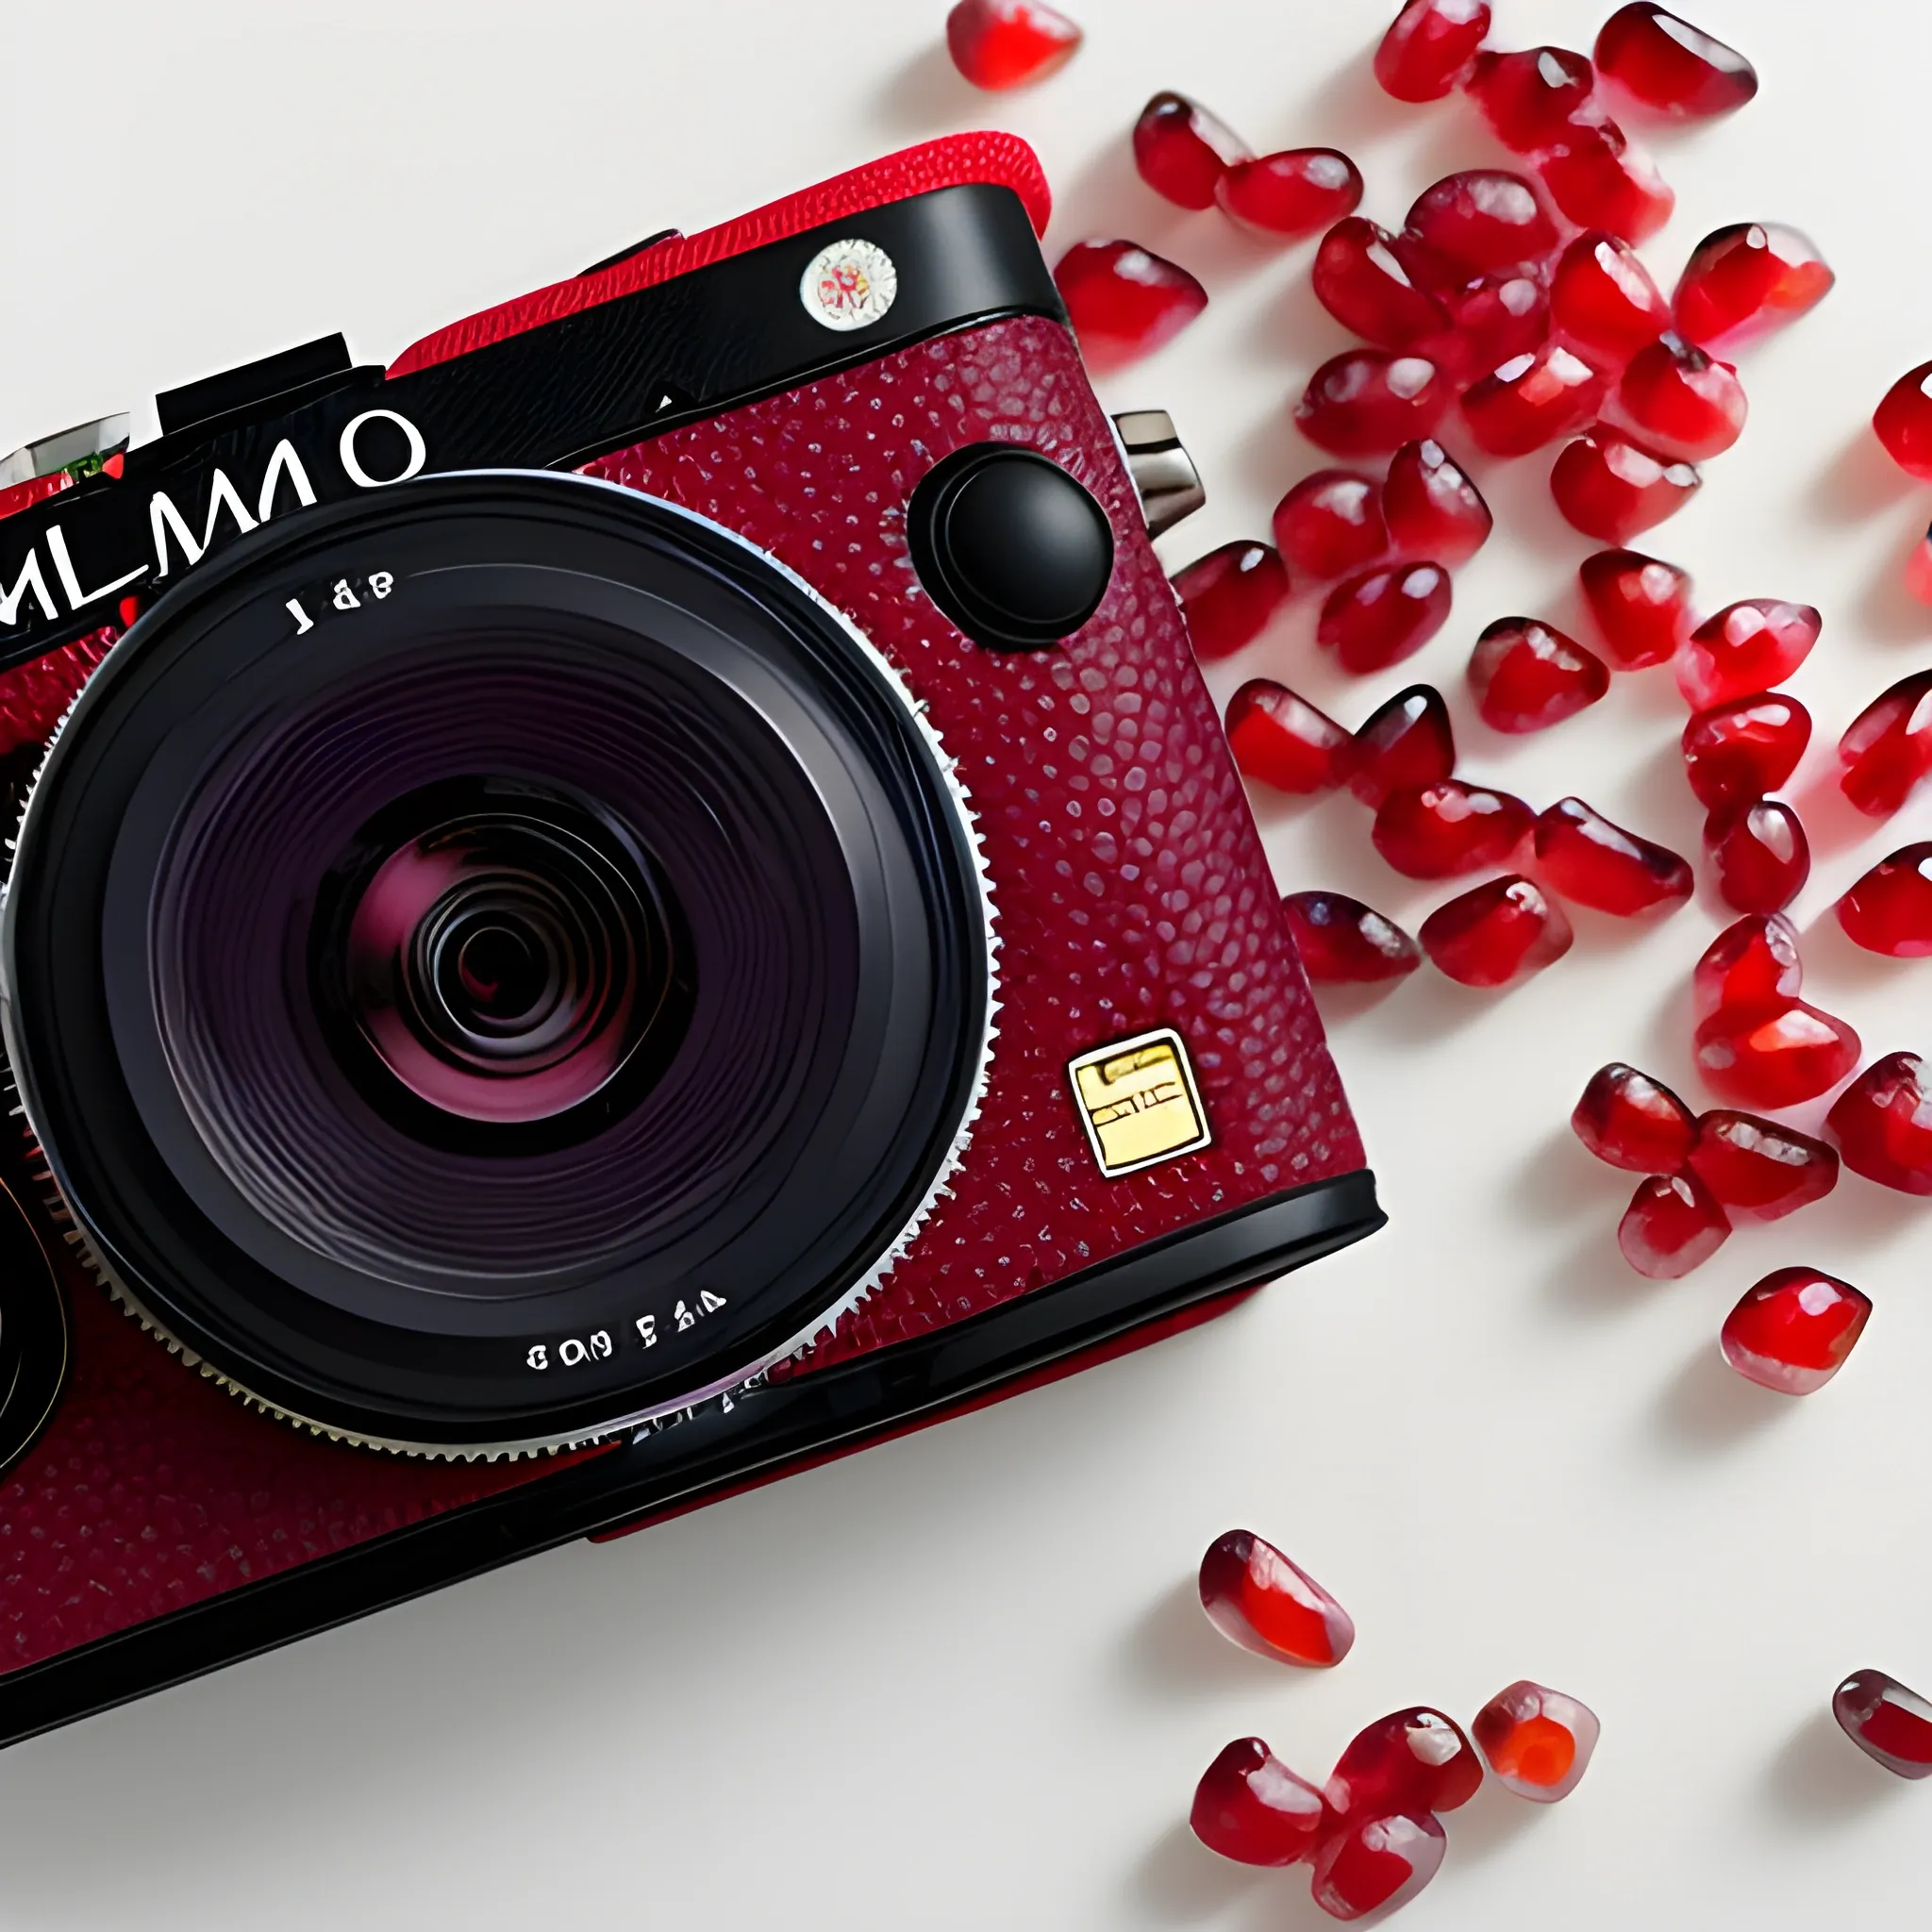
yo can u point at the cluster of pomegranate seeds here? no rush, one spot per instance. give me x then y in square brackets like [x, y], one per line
[1497, 933]
[1794, 1330]
[1384, 615]
[1291, 194]
[1596, 864]
[1537, 1741]
[1887, 750]
[1182, 151]
[1673, 1224]
[1757, 1168]
[1745, 649]
[1370, 402]
[1231, 596]
[1759, 856]
[1256, 1598]
[1283, 740]
[1890, 1725]
[1527, 676]
[1642, 606]
[1443, 830]
[1670, 66]
[1251, 1807]
[1430, 46]
[1630, 1120]
[1881, 1125]
[999, 44]
[1343, 943]
[1123, 300]
[1744, 749]
[1889, 909]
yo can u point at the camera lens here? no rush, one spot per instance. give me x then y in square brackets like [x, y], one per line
[537, 993]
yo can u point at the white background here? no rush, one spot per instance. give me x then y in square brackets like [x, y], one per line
[959, 1681]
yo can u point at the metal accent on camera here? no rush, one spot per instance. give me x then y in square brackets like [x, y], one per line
[82, 449]
[1165, 478]
[1139, 1102]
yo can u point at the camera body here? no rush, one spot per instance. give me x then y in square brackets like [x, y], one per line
[860, 411]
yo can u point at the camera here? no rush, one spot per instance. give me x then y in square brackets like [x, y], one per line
[645, 896]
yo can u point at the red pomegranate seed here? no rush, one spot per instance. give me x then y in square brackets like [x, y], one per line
[1759, 1170]
[1492, 320]
[1359, 280]
[1532, 99]
[1282, 739]
[1774, 1058]
[1249, 1807]
[1887, 748]
[1432, 507]
[1745, 280]
[1918, 570]
[1889, 1724]
[1611, 488]
[1889, 909]
[1230, 598]
[1330, 524]
[1751, 967]
[1259, 1599]
[1366, 402]
[1603, 302]
[1527, 676]
[1442, 830]
[1182, 151]
[1600, 181]
[1642, 606]
[1881, 1125]
[1343, 943]
[1904, 422]
[1496, 934]
[1383, 616]
[1593, 862]
[1794, 1330]
[1429, 46]
[1671, 1225]
[1633, 1122]
[1005, 43]
[1745, 649]
[1532, 400]
[1404, 743]
[1377, 1864]
[1293, 194]
[1759, 855]
[1537, 1741]
[1741, 750]
[1482, 219]
[1680, 402]
[1415, 1760]
[1672, 66]
[1123, 300]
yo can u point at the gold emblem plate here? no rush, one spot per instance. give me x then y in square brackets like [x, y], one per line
[1139, 1102]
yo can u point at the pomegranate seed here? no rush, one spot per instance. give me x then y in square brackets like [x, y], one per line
[1603, 302]
[1282, 739]
[1492, 320]
[1415, 1760]
[1376, 1864]
[1918, 570]
[1123, 300]
[1343, 943]
[1680, 402]
[1774, 1058]
[1362, 283]
[1331, 524]
[1671, 1225]
[1751, 967]
[1741, 750]
[1385, 615]
[1904, 422]
[1794, 1330]
[1230, 598]
[999, 44]
[1611, 488]
[1527, 676]
[1889, 909]
[1182, 151]
[1887, 748]
[1532, 400]
[1482, 219]
[1496, 934]
[1366, 402]
[1758, 854]
[1593, 862]
[1672, 66]
[1600, 181]
[1537, 1741]
[1633, 1122]
[1429, 46]
[1761, 1169]
[1249, 1807]
[1745, 649]
[1642, 606]
[1442, 830]
[1289, 194]
[1882, 1125]
[1256, 1598]
[1745, 280]
[1406, 744]
[1432, 507]
[1533, 99]
[1889, 1724]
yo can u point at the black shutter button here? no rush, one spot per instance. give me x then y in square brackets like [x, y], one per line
[1009, 546]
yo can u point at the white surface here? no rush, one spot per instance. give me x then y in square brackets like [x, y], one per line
[958, 1681]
